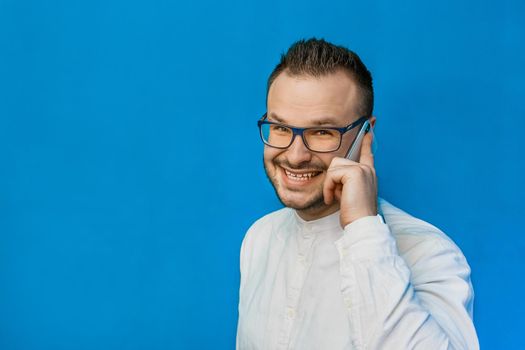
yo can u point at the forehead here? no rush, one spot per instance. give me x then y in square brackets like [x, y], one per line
[305, 100]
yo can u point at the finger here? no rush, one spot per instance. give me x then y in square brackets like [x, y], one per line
[328, 189]
[338, 192]
[339, 161]
[336, 177]
[329, 186]
[367, 157]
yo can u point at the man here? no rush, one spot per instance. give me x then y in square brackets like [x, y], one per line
[339, 268]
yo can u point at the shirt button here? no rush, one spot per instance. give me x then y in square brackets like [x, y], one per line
[348, 302]
[344, 252]
[307, 232]
[290, 313]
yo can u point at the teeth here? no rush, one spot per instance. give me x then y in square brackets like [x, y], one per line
[300, 177]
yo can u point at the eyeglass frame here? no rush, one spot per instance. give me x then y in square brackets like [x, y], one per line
[300, 131]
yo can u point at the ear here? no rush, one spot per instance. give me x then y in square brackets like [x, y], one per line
[372, 120]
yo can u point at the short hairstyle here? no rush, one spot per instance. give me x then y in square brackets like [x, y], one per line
[317, 57]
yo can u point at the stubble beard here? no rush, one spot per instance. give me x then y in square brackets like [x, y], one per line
[312, 205]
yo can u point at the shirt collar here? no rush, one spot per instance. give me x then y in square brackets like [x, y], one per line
[326, 223]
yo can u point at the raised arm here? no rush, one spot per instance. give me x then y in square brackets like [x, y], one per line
[421, 300]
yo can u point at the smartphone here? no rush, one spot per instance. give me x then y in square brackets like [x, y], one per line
[355, 150]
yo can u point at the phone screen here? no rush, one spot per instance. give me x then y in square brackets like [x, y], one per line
[355, 150]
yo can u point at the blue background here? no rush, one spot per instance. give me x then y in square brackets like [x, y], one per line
[130, 164]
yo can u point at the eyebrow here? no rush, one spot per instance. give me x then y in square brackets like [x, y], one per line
[323, 121]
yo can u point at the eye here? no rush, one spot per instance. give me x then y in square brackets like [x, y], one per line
[280, 129]
[324, 132]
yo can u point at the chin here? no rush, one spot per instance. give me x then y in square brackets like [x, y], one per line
[299, 201]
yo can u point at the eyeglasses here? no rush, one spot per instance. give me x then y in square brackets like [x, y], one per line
[316, 139]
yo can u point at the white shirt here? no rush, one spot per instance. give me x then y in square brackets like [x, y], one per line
[312, 285]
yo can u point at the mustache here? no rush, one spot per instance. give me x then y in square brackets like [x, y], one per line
[300, 166]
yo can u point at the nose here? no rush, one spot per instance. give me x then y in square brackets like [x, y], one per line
[297, 153]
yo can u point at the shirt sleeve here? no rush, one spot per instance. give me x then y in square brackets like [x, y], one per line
[392, 306]
[243, 265]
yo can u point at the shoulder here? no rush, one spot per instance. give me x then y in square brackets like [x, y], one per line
[263, 228]
[403, 224]
[419, 241]
[260, 237]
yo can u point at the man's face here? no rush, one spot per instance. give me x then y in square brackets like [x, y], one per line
[296, 173]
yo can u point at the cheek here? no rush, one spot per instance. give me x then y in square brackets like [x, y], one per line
[268, 156]
[326, 159]
[345, 144]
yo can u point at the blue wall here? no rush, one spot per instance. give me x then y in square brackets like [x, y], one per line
[130, 165]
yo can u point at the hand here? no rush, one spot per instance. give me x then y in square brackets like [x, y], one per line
[353, 184]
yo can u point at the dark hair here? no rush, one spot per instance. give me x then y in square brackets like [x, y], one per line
[317, 57]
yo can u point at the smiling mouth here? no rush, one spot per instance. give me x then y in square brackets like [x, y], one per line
[302, 176]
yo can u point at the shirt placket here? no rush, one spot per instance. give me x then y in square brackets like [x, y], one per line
[305, 241]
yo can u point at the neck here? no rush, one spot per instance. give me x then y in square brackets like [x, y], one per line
[317, 213]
